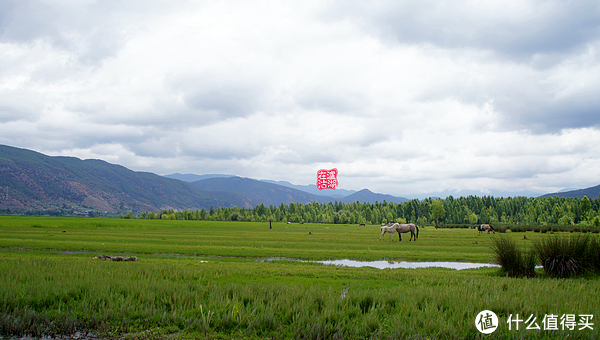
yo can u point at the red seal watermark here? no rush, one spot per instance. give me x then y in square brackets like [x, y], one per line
[327, 179]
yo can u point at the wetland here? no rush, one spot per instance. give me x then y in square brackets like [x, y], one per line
[200, 279]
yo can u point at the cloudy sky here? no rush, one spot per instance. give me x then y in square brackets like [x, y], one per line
[405, 98]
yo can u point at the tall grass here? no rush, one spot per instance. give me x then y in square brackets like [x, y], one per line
[514, 261]
[595, 253]
[561, 257]
[568, 257]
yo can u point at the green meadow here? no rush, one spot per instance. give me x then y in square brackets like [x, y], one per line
[231, 280]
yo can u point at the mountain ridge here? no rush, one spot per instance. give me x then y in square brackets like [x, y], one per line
[30, 180]
[365, 194]
[266, 193]
[313, 189]
[591, 192]
[269, 193]
[35, 181]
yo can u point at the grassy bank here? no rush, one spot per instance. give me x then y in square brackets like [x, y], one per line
[45, 291]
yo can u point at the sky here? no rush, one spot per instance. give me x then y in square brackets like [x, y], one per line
[408, 98]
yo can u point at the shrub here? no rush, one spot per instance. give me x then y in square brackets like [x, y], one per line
[567, 257]
[512, 260]
[500, 228]
[518, 229]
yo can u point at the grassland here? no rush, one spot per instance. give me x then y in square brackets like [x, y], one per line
[237, 239]
[49, 283]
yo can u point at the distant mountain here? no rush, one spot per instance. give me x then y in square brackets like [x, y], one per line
[193, 177]
[313, 189]
[259, 191]
[592, 193]
[275, 192]
[366, 195]
[33, 181]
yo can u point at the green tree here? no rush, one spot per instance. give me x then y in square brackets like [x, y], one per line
[586, 206]
[473, 218]
[437, 210]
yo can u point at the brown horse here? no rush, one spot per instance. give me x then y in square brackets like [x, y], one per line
[485, 227]
[405, 228]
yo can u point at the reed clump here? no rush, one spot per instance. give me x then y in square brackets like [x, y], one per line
[568, 257]
[560, 257]
[514, 261]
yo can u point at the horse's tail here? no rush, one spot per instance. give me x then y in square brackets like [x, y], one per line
[417, 232]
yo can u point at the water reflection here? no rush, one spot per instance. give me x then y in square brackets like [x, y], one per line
[405, 264]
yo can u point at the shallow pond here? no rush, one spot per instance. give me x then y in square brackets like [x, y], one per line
[393, 264]
[345, 262]
[406, 264]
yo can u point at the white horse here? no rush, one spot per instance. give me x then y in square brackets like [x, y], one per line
[387, 229]
[405, 228]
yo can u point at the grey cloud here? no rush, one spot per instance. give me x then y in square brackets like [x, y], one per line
[219, 152]
[58, 137]
[170, 144]
[331, 100]
[24, 20]
[551, 27]
[227, 95]
[160, 113]
[527, 42]
[526, 99]
[228, 101]
[566, 114]
[540, 113]
[13, 114]
[92, 32]
[511, 169]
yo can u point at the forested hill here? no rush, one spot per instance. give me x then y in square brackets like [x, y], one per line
[33, 181]
[593, 193]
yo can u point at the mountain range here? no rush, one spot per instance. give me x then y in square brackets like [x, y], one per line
[31, 181]
[311, 188]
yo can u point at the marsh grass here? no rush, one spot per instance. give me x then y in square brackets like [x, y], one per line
[568, 256]
[560, 256]
[514, 261]
[595, 253]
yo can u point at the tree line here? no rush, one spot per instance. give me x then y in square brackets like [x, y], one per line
[463, 210]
